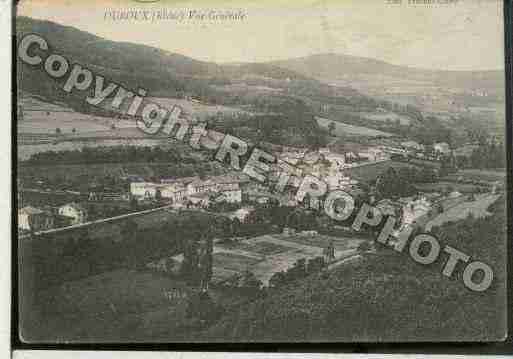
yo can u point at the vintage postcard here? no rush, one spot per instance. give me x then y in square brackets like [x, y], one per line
[260, 171]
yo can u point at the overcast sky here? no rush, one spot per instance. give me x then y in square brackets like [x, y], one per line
[467, 35]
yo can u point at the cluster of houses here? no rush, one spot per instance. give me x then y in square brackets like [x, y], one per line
[32, 219]
[201, 192]
[192, 191]
[340, 160]
[435, 153]
[416, 211]
[365, 154]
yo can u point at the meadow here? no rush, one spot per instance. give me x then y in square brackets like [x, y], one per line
[343, 129]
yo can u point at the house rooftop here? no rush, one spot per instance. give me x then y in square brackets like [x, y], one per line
[31, 210]
[201, 195]
[182, 180]
[74, 205]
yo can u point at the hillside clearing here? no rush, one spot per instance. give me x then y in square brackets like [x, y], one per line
[343, 129]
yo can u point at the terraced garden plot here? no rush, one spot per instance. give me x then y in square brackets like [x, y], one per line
[263, 248]
[233, 261]
[320, 241]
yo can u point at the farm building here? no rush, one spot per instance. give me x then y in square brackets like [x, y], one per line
[34, 219]
[75, 211]
[442, 147]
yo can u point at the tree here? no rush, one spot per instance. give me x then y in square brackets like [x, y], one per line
[249, 280]
[58, 131]
[158, 195]
[235, 226]
[133, 204]
[315, 265]
[129, 235]
[201, 306]
[331, 128]
[205, 263]
[277, 280]
[390, 184]
[190, 260]
[298, 270]
[427, 174]
[364, 247]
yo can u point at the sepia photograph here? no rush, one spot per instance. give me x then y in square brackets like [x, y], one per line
[259, 171]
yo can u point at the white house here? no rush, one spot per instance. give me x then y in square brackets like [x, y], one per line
[226, 183]
[373, 154]
[414, 210]
[412, 145]
[388, 207]
[34, 219]
[176, 192]
[199, 186]
[241, 213]
[234, 196]
[74, 211]
[213, 185]
[336, 160]
[181, 180]
[201, 200]
[292, 157]
[442, 147]
[145, 190]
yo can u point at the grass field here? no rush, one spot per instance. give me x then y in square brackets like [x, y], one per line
[342, 129]
[122, 289]
[385, 117]
[477, 208]
[443, 185]
[108, 305]
[370, 172]
[478, 175]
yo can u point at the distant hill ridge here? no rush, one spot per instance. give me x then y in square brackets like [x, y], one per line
[142, 59]
[336, 66]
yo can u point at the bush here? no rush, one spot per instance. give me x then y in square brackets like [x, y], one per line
[364, 247]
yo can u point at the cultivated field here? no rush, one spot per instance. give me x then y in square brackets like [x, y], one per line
[268, 254]
[343, 129]
[243, 87]
[385, 117]
[198, 110]
[31, 102]
[118, 137]
[40, 117]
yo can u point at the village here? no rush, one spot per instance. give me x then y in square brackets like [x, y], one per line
[336, 184]
[235, 196]
[238, 191]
